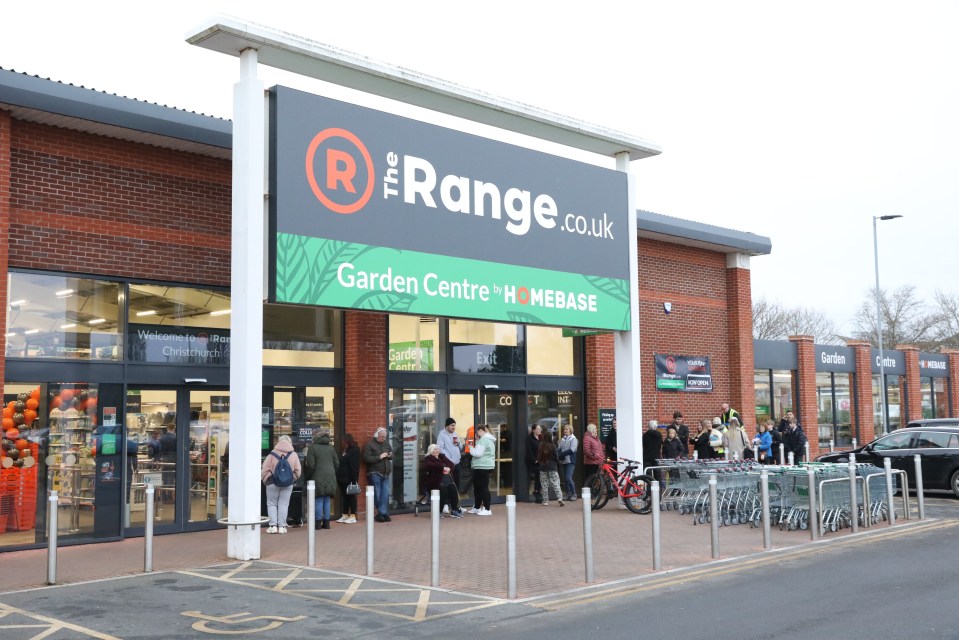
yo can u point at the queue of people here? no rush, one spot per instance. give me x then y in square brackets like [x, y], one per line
[550, 462]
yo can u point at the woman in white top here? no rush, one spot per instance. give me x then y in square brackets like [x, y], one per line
[567, 460]
[738, 440]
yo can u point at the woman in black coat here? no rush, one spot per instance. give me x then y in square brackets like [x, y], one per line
[346, 474]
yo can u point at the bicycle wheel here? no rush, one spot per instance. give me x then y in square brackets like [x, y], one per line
[636, 494]
[597, 491]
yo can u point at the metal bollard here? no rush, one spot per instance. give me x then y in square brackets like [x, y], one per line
[511, 544]
[755, 452]
[311, 523]
[855, 445]
[806, 446]
[767, 526]
[588, 533]
[713, 516]
[832, 446]
[735, 456]
[782, 453]
[695, 455]
[917, 460]
[370, 512]
[148, 531]
[657, 549]
[792, 459]
[52, 529]
[887, 466]
[435, 529]
[813, 504]
[726, 454]
[853, 498]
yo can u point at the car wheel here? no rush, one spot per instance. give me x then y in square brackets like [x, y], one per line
[954, 483]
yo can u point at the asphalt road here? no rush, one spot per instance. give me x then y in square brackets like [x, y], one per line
[890, 583]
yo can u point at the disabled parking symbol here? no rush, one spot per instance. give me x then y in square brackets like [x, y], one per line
[220, 625]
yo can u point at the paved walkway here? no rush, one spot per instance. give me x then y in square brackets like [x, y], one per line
[549, 550]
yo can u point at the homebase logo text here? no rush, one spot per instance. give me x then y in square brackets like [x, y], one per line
[417, 179]
[349, 277]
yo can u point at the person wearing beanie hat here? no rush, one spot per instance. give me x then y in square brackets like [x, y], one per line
[450, 446]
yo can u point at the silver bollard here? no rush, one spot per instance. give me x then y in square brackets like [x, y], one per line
[853, 498]
[588, 533]
[511, 545]
[311, 523]
[887, 466]
[735, 456]
[755, 452]
[726, 454]
[813, 505]
[695, 455]
[714, 516]
[806, 446]
[435, 529]
[917, 460]
[148, 531]
[782, 453]
[52, 529]
[657, 548]
[767, 526]
[370, 512]
[855, 444]
[832, 446]
[792, 459]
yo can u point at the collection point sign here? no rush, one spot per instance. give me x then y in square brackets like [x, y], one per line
[375, 211]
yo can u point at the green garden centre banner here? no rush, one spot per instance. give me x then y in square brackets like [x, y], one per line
[369, 210]
[683, 373]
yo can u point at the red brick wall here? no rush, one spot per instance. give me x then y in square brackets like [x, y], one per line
[5, 124]
[739, 358]
[864, 430]
[92, 204]
[953, 389]
[913, 393]
[711, 316]
[365, 363]
[806, 408]
[601, 376]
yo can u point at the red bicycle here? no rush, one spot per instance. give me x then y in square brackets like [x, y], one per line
[633, 488]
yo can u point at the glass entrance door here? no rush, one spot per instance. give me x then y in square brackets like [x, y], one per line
[499, 412]
[181, 437]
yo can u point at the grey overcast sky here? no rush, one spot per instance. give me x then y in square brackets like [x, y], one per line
[796, 121]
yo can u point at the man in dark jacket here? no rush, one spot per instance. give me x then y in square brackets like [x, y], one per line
[378, 456]
[794, 440]
[532, 467]
[652, 444]
[682, 431]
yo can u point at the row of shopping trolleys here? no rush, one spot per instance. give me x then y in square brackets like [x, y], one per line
[685, 488]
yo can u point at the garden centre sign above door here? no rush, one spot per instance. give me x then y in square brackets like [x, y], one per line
[370, 210]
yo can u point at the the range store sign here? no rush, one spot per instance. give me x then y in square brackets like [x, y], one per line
[683, 373]
[374, 211]
[183, 345]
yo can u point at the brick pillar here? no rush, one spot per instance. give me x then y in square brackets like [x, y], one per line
[864, 429]
[5, 162]
[912, 395]
[806, 408]
[600, 375]
[953, 380]
[364, 368]
[739, 327]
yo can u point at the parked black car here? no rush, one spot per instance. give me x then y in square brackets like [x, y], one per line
[936, 441]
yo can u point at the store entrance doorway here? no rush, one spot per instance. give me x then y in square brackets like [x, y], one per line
[498, 409]
[179, 443]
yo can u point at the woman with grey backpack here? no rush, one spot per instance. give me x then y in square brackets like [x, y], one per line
[280, 470]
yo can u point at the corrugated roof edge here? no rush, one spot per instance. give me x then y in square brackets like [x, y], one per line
[34, 92]
[742, 241]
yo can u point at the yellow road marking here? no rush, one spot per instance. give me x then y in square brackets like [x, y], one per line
[56, 625]
[235, 618]
[230, 574]
[288, 579]
[666, 581]
[348, 594]
[422, 605]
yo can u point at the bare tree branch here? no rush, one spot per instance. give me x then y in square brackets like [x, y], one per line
[773, 321]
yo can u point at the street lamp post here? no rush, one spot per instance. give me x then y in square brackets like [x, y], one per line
[882, 356]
